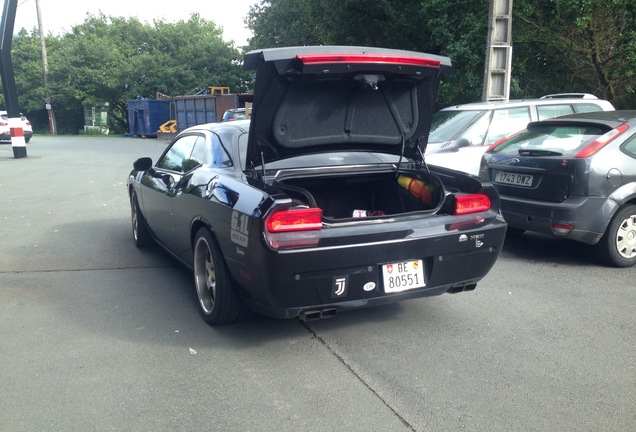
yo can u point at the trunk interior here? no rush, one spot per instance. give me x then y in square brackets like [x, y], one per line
[368, 195]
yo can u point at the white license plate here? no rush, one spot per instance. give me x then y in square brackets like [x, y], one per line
[402, 276]
[513, 178]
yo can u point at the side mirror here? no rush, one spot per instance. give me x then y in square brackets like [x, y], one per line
[450, 146]
[462, 142]
[143, 164]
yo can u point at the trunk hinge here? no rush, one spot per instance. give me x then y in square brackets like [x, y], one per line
[421, 152]
[262, 164]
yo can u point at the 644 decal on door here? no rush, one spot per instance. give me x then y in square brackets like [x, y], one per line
[239, 228]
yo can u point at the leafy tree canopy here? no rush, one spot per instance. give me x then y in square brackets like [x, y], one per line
[111, 60]
[558, 45]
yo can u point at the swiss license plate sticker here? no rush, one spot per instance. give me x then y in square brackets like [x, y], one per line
[402, 276]
[513, 178]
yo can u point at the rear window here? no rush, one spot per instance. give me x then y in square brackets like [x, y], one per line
[551, 140]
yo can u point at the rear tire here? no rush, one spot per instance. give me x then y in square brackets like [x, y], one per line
[141, 233]
[618, 245]
[218, 300]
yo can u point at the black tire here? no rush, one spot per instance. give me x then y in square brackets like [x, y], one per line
[219, 302]
[141, 234]
[27, 139]
[618, 245]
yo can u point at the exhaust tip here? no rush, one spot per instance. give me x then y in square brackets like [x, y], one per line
[328, 313]
[470, 287]
[462, 288]
[313, 315]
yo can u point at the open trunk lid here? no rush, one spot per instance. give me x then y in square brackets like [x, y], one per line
[340, 98]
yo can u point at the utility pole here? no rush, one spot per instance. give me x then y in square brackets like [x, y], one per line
[498, 52]
[45, 71]
[8, 79]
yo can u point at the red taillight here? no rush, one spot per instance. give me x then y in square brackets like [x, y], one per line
[305, 219]
[599, 143]
[4, 123]
[366, 58]
[473, 203]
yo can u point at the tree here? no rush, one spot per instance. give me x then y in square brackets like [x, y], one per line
[112, 60]
[432, 26]
[577, 46]
[558, 45]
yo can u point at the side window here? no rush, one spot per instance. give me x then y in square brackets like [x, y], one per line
[220, 156]
[549, 111]
[507, 121]
[177, 157]
[242, 143]
[199, 154]
[477, 131]
[198, 157]
[630, 147]
[587, 107]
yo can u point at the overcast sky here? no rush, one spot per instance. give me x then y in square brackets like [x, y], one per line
[59, 16]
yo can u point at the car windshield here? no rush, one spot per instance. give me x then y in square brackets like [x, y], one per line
[551, 140]
[447, 125]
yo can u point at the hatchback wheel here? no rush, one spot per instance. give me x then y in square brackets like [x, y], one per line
[618, 246]
[141, 234]
[219, 302]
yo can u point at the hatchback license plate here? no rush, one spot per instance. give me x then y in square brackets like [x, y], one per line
[513, 179]
[402, 276]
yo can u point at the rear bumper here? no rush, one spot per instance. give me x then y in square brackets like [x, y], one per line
[6, 136]
[294, 282]
[540, 216]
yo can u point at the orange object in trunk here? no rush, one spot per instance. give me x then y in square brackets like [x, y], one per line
[419, 189]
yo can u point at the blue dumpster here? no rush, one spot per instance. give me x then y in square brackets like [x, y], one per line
[146, 115]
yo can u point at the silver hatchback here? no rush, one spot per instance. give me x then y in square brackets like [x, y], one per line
[572, 177]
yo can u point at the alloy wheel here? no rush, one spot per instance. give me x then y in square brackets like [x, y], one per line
[204, 275]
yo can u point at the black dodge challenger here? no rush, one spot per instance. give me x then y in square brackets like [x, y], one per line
[322, 201]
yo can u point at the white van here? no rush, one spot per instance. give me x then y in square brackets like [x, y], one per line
[461, 134]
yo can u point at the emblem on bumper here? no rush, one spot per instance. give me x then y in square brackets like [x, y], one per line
[339, 287]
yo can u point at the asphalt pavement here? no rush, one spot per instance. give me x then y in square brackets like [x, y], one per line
[97, 335]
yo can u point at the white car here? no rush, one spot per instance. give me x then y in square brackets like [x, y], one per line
[461, 134]
[5, 131]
